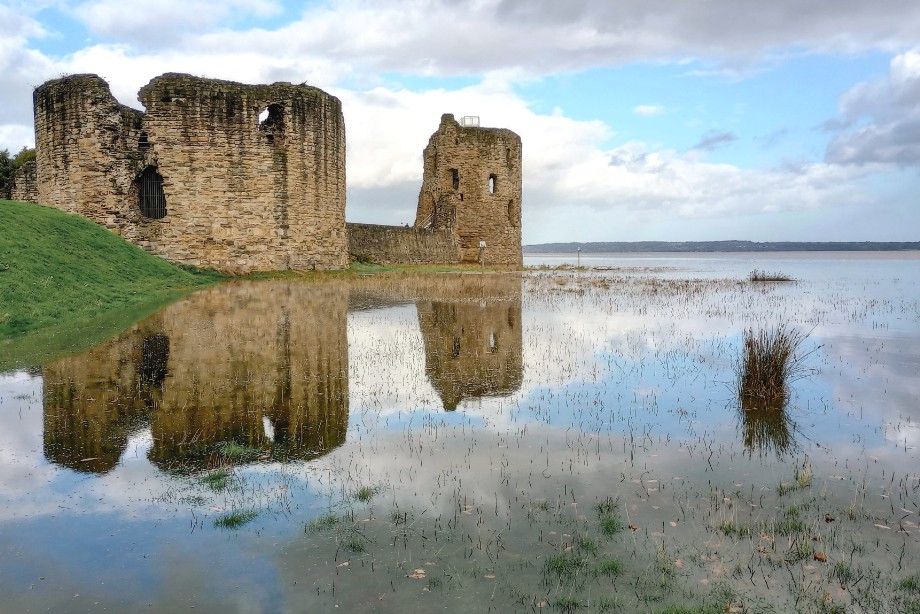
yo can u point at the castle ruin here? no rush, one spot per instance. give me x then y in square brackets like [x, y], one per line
[242, 178]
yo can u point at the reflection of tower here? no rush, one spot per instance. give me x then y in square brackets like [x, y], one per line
[262, 365]
[94, 401]
[766, 425]
[473, 340]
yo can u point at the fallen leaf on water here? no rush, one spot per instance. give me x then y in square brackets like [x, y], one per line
[731, 607]
[490, 576]
[828, 518]
[426, 589]
[418, 575]
[820, 556]
[542, 604]
[881, 526]
[345, 564]
[633, 527]
[679, 563]
[673, 524]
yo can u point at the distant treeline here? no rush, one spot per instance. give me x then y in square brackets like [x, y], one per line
[721, 246]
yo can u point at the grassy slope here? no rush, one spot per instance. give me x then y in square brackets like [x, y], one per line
[66, 277]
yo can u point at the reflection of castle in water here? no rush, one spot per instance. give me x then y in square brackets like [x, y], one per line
[265, 365]
[473, 345]
[262, 365]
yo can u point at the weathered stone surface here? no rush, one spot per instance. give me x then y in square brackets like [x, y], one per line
[472, 185]
[25, 186]
[399, 245]
[241, 194]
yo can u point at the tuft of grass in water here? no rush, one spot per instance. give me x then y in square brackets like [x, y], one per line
[609, 568]
[844, 573]
[566, 604]
[354, 544]
[324, 523]
[236, 451]
[565, 566]
[235, 519]
[218, 479]
[366, 493]
[586, 543]
[771, 360]
[609, 518]
[762, 276]
[911, 583]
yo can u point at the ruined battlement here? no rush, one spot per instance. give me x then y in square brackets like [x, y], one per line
[215, 174]
[243, 178]
[472, 184]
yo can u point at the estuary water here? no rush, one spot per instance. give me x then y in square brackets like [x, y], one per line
[563, 439]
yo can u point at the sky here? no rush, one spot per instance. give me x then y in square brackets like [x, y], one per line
[640, 120]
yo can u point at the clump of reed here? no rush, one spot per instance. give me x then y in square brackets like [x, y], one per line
[761, 276]
[771, 359]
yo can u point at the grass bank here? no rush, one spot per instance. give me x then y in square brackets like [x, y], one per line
[67, 283]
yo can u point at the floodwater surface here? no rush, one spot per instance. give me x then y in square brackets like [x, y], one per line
[558, 440]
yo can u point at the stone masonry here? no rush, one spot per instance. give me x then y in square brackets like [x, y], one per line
[243, 178]
[253, 176]
[24, 186]
[472, 184]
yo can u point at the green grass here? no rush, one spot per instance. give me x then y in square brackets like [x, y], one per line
[324, 523]
[609, 518]
[63, 272]
[910, 584]
[217, 480]
[565, 565]
[234, 520]
[366, 493]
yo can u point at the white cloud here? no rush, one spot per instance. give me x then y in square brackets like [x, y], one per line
[892, 105]
[648, 110]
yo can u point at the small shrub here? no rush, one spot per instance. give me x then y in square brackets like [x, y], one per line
[763, 276]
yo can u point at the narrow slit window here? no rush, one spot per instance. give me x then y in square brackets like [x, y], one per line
[152, 197]
[455, 178]
[143, 142]
[493, 182]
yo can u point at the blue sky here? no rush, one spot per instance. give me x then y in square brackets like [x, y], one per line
[641, 120]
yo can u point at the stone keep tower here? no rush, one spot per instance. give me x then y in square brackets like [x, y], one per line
[216, 174]
[472, 185]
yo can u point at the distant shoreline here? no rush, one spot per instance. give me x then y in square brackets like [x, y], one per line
[721, 246]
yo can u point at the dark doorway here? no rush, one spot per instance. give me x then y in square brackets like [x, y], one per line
[152, 197]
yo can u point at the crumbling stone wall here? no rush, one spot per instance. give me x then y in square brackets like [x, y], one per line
[472, 185]
[399, 245]
[241, 193]
[25, 186]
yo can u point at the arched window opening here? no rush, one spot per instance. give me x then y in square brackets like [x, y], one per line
[271, 121]
[152, 197]
[493, 183]
[143, 141]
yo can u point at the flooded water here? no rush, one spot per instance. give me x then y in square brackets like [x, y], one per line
[558, 440]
